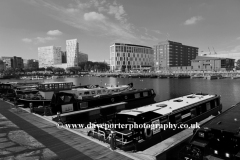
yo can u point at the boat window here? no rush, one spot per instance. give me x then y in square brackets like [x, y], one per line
[203, 106]
[93, 92]
[83, 105]
[208, 106]
[164, 120]
[55, 86]
[145, 94]
[178, 118]
[130, 119]
[213, 103]
[80, 93]
[104, 91]
[67, 99]
[137, 95]
[99, 92]
[86, 93]
[193, 112]
[178, 100]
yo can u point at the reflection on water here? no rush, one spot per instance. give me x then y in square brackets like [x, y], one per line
[170, 88]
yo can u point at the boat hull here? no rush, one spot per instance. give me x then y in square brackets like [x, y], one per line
[35, 103]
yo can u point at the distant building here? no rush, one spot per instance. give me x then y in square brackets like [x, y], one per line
[17, 62]
[235, 56]
[2, 65]
[130, 57]
[7, 61]
[169, 54]
[64, 56]
[72, 49]
[13, 62]
[202, 63]
[32, 64]
[49, 56]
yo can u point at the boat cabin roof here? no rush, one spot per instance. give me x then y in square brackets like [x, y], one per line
[169, 106]
[55, 82]
[228, 121]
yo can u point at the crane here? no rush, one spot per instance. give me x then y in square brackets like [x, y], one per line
[209, 50]
[214, 50]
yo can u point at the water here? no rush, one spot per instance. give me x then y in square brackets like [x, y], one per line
[171, 88]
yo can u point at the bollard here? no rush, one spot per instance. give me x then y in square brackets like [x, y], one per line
[31, 107]
[113, 140]
[59, 117]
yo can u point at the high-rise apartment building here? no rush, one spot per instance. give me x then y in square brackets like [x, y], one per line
[49, 56]
[129, 56]
[17, 62]
[173, 54]
[72, 49]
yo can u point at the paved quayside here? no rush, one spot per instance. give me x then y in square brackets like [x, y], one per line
[26, 136]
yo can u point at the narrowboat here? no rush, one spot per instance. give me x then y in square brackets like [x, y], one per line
[68, 102]
[46, 91]
[188, 109]
[44, 95]
[217, 139]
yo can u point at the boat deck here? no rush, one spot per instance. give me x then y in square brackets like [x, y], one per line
[65, 144]
[228, 121]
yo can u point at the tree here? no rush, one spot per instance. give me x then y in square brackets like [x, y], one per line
[238, 65]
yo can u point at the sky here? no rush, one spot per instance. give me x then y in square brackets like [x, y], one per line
[26, 25]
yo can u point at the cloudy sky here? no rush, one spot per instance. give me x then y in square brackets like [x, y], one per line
[26, 25]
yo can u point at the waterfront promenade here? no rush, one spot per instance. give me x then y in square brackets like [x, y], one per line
[28, 137]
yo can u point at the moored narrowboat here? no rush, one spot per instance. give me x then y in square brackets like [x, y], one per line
[217, 139]
[183, 110]
[61, 99]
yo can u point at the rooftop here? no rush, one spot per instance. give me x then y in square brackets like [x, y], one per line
[199, 58]
[169, 106]
[228, 121]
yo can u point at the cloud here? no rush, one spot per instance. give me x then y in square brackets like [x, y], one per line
[27, 40]
[97, 17]
[93, 16]
[238, 38]
[193, 20]
[44, 39]
[118, 11]
[54, 33]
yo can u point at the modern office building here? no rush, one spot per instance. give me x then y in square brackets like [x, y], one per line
[203, 63]
[72, 50]
[127, 57]
[48, 56]
[169, 54]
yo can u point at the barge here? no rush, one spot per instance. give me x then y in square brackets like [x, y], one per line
[188, 109]
[68, 102]
[217, 139]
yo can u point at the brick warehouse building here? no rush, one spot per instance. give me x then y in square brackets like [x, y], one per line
[169, 54]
